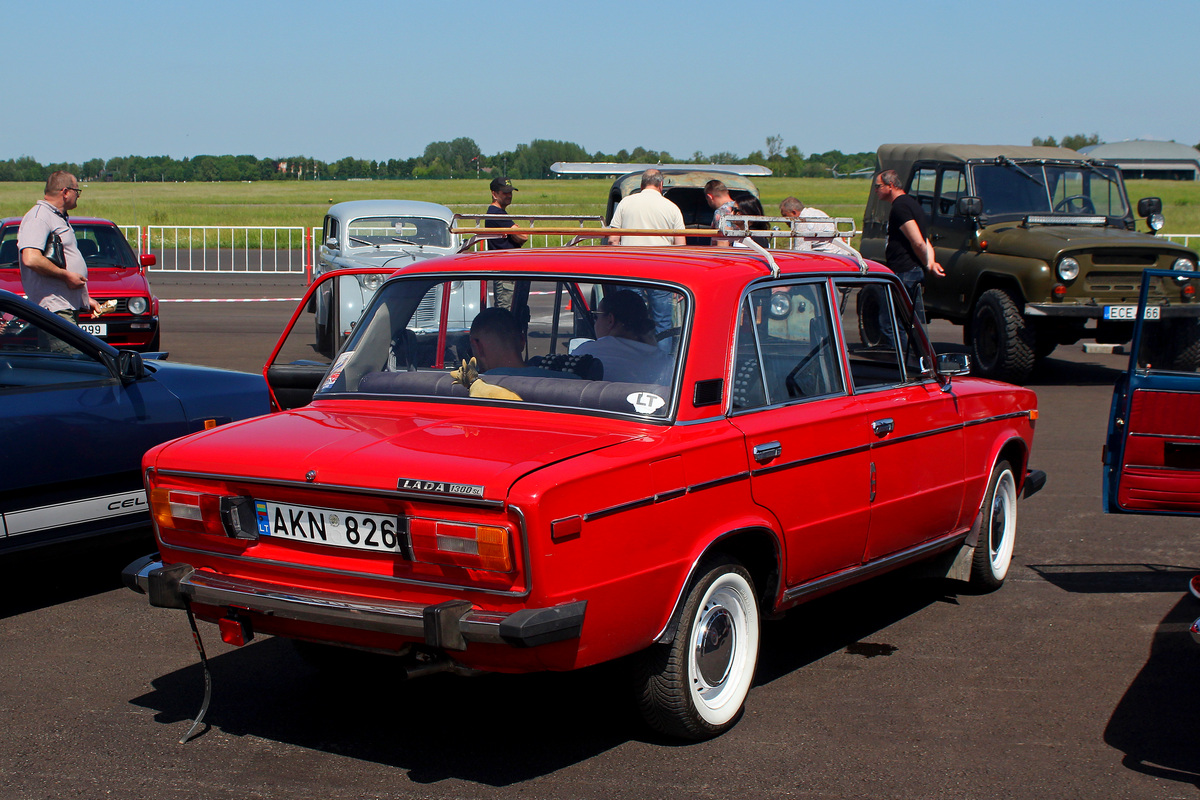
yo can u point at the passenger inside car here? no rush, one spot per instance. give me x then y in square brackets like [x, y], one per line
[497, 343]
[625, 341]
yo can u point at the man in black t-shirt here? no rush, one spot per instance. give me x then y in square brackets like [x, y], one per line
[909, 252]
[502, 196]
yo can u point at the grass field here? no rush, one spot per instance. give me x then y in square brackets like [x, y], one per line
[276, 203]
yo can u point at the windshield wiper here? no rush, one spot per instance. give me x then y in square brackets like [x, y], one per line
[1008, 162]
[363, 241]
[407, 241]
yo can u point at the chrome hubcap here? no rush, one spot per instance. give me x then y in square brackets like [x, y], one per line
[715, 640]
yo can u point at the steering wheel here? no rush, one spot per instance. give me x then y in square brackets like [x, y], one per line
[668, 333]
[1082, 200]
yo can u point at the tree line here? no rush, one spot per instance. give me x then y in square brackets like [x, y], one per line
[460, 158]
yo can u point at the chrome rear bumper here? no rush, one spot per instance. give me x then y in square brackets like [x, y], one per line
[448, 625]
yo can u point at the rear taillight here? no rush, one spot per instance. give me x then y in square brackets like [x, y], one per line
[200, 512]
[486, 547]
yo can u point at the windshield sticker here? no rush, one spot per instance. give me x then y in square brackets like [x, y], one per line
[336, 372]
[646, 402]
[439, 487]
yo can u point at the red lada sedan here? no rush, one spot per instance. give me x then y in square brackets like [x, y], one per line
[619, 489]
[114, 273]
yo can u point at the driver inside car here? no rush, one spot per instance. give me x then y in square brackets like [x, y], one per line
[497, 343]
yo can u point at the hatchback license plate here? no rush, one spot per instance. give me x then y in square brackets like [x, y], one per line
[95, 328]
[375, 532]
[1129, 312]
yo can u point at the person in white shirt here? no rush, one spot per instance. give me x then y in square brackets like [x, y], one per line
[648, 209]
[792, 208]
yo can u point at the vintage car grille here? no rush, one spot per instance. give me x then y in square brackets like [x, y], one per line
[428, 310]
[1104, 281]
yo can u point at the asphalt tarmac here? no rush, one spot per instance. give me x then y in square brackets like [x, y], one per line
[1077, 679]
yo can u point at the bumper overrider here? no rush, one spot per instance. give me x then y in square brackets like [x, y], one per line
[449, 625]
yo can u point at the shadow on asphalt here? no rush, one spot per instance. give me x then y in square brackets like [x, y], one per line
[495, 730]
[845, 619]
[61, 573]
[1116, 578]
[1157, 722]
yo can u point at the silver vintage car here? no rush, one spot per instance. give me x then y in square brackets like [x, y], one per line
[388, 234]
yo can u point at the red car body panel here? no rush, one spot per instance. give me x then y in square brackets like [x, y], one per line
[613, 511]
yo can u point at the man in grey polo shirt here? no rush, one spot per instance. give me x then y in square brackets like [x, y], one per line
[62, 290]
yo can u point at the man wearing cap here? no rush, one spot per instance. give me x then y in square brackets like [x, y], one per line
[502, 196]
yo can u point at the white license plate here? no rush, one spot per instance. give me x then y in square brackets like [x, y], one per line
[1129, 312]
[379, 533]
[95, 328]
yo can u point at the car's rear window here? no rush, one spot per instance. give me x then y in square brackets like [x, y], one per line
[547, 341]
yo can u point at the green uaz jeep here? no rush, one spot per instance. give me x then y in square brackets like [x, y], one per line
[1040, 248]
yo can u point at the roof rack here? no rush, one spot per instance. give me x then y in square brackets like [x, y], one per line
[829, 233]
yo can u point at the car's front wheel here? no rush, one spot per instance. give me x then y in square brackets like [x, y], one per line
[994, 550]
[696, 686]
[1001, 341]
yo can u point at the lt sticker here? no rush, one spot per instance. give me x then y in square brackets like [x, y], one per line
[336, 372]
[646, 402]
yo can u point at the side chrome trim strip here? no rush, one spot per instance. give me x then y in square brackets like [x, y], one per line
[878, 565]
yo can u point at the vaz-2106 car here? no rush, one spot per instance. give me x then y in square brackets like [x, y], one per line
[591, 506]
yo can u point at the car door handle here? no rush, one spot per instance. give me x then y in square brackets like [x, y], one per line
[883, 427]
[766, 452]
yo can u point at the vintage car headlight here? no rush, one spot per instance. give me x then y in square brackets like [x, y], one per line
[1068, 269]
[370, 282]
[1183, 265]
[138, 305]
[1156, 221]
[780, 305]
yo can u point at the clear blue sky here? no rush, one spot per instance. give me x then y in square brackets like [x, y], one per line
[379, 80]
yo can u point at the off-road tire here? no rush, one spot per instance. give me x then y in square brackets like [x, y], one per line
[695, 687]
[867, 307]
[1002, 344]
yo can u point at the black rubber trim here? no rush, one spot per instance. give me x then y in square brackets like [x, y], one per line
[531, 627]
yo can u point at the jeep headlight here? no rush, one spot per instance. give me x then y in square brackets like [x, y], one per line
[1068, 269]
[1183, 265]
[138, 305]
[780, 305]
[1156, 222]
[370, 282]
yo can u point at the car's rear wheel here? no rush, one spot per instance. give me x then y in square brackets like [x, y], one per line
[696, 686]
[1001, 342]
[994, 549]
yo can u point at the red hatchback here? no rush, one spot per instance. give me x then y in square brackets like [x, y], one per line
[115, 273]
[615, 492]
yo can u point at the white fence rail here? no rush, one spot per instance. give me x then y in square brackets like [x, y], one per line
[263, 249]
[212, 248]
[1184, 239]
